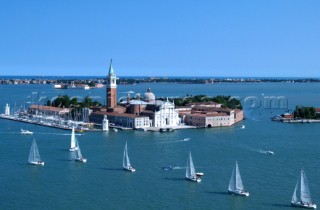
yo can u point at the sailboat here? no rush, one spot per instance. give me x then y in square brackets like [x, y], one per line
[305, 196]
[78, 154]
[191, 171]
[235, 184]
[73, 146]
[34, 156]
[126, 162]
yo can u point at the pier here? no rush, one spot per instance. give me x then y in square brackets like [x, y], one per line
[53, 122]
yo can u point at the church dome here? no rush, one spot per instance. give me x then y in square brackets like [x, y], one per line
[149, 96]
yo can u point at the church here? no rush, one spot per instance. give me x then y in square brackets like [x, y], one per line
[139, 113]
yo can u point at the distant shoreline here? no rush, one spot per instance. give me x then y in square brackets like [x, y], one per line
[12, 80]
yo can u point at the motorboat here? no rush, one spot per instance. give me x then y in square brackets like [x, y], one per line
[26, 132]
[269, 152]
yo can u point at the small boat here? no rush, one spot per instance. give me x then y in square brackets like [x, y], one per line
[115, 130]
[78, 154]
[126, 161]
[242, 126]
[269, 152]
[185, 139]
[167, 168]
[305, 196]
[235, 184]
[34, 156]
[73, 145]
[26, 132]
[191, 171]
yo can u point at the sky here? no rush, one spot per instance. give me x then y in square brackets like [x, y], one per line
[216, 38]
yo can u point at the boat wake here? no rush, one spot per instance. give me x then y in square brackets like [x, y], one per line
[170, 167]
[261, 151]
[175, 141]
[61, 134]
[267, 152]
[178, 167]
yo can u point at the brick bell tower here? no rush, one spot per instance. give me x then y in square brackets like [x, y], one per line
[111, 89]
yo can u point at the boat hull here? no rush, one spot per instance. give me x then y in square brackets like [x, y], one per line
[240, 193]
[41, 163]
[131, 169]
[305, 205]
[83, 160]
[197, 179]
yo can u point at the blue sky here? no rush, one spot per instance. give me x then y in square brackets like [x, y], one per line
[160, 38]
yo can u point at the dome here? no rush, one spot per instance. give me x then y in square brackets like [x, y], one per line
[149, 96]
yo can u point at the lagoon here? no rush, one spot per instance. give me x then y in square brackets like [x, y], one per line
[102, 184]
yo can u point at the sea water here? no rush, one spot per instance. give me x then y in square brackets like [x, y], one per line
[101, 183]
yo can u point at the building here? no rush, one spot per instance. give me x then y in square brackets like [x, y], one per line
[121, 119]
[112, 89]
[138, 112]
[215, 116]
[145, 111]
[210, 118]
[48, 110]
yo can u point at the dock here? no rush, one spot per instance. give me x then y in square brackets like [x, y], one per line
[61, 124]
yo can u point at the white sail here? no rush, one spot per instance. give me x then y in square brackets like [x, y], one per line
[294, 196]
[126, 161]
[73, 139]
[190, 171]
[305, 192]
[78, 151]
[188, 168]
[239, 185]
[34, 155]
[232, 186]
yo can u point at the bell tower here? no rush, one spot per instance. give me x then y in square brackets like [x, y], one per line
[112, 89]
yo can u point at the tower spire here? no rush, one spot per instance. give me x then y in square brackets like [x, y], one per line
[111, 71]
[112, 88]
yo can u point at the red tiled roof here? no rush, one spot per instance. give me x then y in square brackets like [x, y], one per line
[208, 115]
[48, 108]
[118, 114]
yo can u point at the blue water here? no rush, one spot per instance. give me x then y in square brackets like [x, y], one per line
[102, 184]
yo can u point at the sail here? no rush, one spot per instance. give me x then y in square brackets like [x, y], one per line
[232, 186]
[190, 171]
[34, 155]
[305, 192]
[78, 151]
[125, 161]
[239, 185]
[294, 196]
[73, 139]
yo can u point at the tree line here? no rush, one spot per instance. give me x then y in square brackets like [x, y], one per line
[302, 112]
[226, 101]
